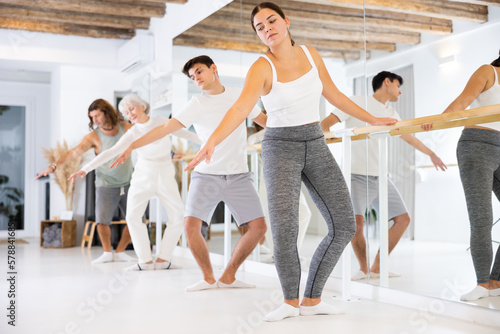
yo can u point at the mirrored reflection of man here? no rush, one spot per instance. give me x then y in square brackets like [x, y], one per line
[365, 174]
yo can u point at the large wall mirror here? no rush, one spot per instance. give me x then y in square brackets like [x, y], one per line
[433, 256]
[435, 47]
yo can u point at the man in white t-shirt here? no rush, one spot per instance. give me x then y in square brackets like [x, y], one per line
[226, 178]
[364, 169]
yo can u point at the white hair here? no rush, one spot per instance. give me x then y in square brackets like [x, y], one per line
[135, 100]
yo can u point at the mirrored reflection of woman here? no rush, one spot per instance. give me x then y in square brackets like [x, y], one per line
[290, 81]
[478, 154]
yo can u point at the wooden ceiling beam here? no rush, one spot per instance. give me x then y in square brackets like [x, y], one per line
[206, 32]
[66, 29]
[246, 46]
[167, 1]
[324, 27]
[347, 46]
[305, 31]
[435, 8]
[152, 1]
[480, 2]
[101, 20]
[375, 36]
[122, 8]
[218, 43]
[352, 18]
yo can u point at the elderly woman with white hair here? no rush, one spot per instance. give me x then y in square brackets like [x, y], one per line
[154, 174]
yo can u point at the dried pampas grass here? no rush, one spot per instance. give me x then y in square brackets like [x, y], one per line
[62, 173]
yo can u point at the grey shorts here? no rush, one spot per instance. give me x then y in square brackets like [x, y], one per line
[107, 200]
[360, 201]
[237, 191]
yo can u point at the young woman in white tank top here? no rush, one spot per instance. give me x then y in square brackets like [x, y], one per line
[290, 81]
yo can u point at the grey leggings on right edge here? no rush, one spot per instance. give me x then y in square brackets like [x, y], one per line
[478, 153]
[291, 155]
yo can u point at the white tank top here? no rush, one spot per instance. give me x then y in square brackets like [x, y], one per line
[488, 98]
[295, 102]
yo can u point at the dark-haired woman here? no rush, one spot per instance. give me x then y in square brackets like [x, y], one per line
[290, 81]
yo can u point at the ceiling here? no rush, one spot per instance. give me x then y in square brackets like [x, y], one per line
[336, 28]
[90, 18]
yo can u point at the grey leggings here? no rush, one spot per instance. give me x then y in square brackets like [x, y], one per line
[478, 154]
[292, 154]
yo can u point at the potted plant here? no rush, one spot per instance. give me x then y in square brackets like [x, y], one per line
[9, 197]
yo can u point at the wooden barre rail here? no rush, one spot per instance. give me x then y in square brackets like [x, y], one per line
[189, 157]
[439, 122]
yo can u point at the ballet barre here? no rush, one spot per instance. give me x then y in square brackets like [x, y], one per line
[439, 122]
[382, 133]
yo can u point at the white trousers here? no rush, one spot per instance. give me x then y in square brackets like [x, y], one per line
[149, 179]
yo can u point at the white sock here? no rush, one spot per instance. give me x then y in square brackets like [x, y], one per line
[494, 292]
[140, 267]
[264, 249]
[391, 274]
[162, 265]
[321, 308]
[359, 275]
[477, 293]
[122, 257]
[201, 285]
[282, 312]
[105, 257]
[235, 284]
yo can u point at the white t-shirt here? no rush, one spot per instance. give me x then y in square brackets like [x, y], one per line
[205, 112]
[364, 153]
[158, 151]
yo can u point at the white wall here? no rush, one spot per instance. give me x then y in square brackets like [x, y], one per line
[439, 203]
[42, 51]
[74, 89]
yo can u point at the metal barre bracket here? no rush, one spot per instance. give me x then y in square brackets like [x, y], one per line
[380, 134]
[343, 132]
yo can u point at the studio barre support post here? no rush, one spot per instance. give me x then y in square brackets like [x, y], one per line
[254, 167]
[159, 224]
[227, 235]
[184, 190]
[346, 170]
[383, 206]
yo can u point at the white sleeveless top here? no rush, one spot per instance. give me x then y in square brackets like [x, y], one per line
[296, 102]
[488, 98]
